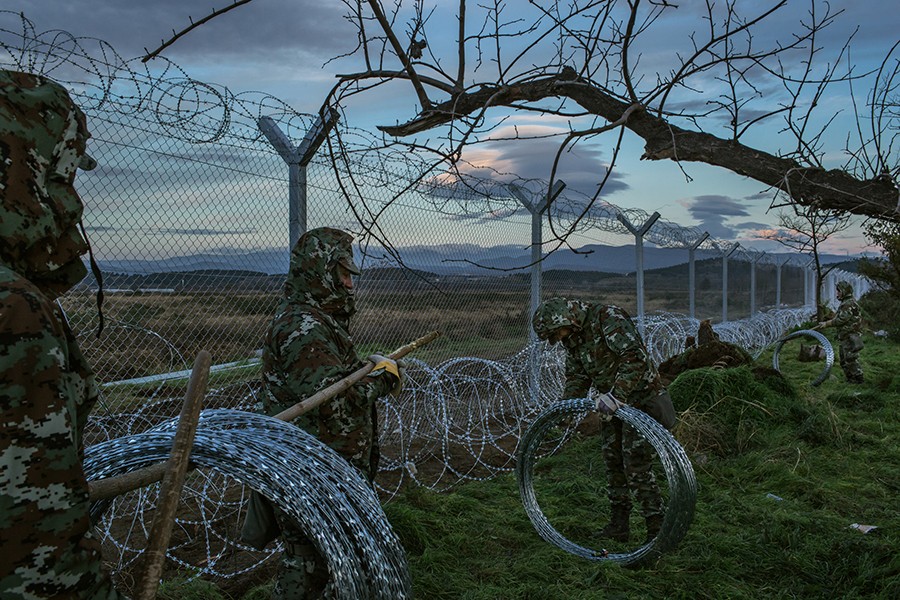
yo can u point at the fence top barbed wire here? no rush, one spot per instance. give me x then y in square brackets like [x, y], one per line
[193, 111]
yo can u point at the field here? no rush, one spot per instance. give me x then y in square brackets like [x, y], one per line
[739, 457]
[783, 471]
[148, 333]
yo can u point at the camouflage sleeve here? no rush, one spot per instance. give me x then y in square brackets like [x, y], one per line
[635, 373]
[847, 314]
[310, 358]
[48, 546]
[578, 382]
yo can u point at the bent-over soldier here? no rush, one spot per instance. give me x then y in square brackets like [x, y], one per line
[848, 321]
[604, 351]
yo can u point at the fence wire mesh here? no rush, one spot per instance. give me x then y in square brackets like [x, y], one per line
[188, 217]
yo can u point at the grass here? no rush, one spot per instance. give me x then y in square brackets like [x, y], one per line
[783, 469]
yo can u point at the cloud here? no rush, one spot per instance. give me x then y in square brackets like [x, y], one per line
[581, 167]
[713, 212]
[255, 30]
[751, 225]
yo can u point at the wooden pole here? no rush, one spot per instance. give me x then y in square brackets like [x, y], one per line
[173, 480]
[104, 489]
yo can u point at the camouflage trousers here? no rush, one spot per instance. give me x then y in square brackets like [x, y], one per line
[849, 357]
[629, 458]
[302, 572]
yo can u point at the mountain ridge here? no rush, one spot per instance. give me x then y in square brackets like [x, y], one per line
[447, 259]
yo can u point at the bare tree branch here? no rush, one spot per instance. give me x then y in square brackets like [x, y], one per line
[805, 229]
[833, 189]
[192, 26]
[603, 45]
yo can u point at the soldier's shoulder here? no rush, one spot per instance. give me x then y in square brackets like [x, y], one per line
[19, 297]
[301, 323]
[614, 315]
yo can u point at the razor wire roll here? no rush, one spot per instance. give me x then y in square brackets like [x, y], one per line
[457, 421]
[326, 497]
[677, 466]
[819, 337]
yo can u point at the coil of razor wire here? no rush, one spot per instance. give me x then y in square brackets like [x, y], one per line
[823, 341]
[677, 466]
[326, 497]
[458, 421]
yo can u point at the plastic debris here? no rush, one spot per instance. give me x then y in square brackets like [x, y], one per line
[863, 528]
[774, 497]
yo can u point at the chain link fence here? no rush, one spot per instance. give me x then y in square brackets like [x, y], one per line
[188, 216]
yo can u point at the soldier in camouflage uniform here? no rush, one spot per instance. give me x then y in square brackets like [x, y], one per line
[47, 388]
[604, 351]
[308, 347]
[848, 321]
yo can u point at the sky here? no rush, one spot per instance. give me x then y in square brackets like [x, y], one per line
[285, 48]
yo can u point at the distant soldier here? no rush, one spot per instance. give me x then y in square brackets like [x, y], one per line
[308, 347]
[848, 321]
[705, 333]
[47, 389]
[604, 351]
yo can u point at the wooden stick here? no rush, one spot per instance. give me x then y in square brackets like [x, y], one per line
[173, 480]
[110, 487]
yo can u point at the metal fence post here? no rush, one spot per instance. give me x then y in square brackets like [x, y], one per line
[725, 256]
[296, 160]
[638, 233]
[778, 264]
[808, 285]
[537, 208]
[754, 258]
[692, 277]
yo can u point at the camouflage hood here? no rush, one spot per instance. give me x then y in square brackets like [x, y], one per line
[844, 289]
[42, 142]
[558, 312]
[313, 277]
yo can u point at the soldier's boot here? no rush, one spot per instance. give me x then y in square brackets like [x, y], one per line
[654, 524]
[617, 529]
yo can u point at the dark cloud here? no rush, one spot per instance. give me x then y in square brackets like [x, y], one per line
[263, 28]
[751, 226]
[713, 212]
[763, 195]
[581, 168]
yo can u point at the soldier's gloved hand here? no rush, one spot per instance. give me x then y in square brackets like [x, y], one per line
[383, 364]
[605, 404]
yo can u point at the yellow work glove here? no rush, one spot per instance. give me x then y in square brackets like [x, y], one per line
[396, 368]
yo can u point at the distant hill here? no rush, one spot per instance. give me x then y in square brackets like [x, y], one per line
[438, 260]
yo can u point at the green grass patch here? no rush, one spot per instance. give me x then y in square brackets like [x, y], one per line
[783, 469]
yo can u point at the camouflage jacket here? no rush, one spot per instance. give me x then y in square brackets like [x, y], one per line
[847, 319]
[607, 353]
[308, 347]
[47, 390]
